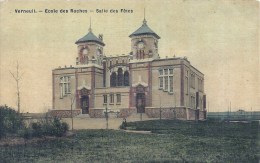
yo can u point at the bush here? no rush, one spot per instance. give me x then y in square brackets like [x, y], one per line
[26, 133]
[10, 121]
[49, 127]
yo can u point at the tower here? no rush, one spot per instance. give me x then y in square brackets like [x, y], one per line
[144, 42]
[90, 49]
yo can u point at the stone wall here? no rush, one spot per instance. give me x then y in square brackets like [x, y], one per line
[96, 113]
[64, 113]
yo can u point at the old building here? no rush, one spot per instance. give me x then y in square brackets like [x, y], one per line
[139, 82]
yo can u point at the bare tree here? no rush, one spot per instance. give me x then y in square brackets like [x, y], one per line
[17, 77]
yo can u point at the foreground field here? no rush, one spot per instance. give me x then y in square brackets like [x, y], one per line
[170, 141]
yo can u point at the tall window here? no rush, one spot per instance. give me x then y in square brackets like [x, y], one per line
[113, 79]
[118, 98]
[65, 86]
[120, 78]
[166, 79]
[111, 98]
[105, 99]
[126, 78]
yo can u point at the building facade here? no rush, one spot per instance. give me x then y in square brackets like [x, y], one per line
[139, 82]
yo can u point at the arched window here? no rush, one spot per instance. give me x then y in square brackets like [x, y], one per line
[126, 78]
[120, 78]
[113, 79]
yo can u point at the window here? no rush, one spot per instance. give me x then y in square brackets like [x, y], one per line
[118, 98]
[113, 79]
[65, 86]
[126, 78]
[120, 78]
[166, 79]
[166, 83]
[111, 98]
[105, 99]
[171, 83]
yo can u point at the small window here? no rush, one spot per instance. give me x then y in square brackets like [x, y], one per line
[111, 98]
[118, 98]
[105, 99]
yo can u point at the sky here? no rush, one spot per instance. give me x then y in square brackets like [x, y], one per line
[220, 38]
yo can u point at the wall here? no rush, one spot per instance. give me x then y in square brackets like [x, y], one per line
[64, 113]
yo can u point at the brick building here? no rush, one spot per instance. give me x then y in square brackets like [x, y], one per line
[139, 82]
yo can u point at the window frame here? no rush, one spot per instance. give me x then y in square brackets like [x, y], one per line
[111, 99]
[65, 86]
[105, 99]
[118, 98]
[166, 79]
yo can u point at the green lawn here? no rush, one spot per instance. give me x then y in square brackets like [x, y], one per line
[170, 141]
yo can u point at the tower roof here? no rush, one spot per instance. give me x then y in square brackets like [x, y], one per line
[90, 37]
[144, 29]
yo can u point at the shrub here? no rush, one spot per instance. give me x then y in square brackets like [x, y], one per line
[10, 121]
[26, 133]
[49, 127]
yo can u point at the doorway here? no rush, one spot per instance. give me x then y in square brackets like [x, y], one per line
[140, 102]
[84, 104]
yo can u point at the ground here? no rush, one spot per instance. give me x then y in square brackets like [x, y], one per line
[167, 141]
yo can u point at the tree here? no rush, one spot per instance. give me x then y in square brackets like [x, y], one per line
[17, 77]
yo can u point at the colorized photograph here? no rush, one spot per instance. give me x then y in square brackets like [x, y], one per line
[129, 81]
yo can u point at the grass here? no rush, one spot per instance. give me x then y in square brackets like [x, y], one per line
[170, 141]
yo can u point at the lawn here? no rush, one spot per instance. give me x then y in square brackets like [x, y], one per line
[170, 141]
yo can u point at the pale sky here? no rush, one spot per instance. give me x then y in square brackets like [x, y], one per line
[220, 38]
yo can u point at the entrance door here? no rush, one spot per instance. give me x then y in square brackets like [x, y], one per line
[85, 104]
[140, 102]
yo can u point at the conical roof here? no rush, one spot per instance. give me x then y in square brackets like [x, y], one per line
[90, 37]
[144, 29]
